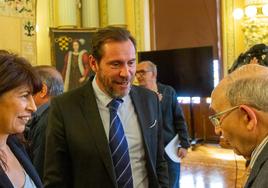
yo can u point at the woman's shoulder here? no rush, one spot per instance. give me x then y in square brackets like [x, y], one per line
[14, 142]
[13, 139]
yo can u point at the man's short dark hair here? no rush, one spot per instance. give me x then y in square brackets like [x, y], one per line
[109, 34]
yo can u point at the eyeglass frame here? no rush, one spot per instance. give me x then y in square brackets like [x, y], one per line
[142, 72]
[215, 119]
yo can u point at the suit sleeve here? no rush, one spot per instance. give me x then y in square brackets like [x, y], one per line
[179, 121]
[161, 164]
[259, 173]
[39, 145]
[57, 167]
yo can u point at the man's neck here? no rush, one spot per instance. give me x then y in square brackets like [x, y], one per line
[152, 86]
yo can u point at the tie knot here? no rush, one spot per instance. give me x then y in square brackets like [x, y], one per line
[114, 104]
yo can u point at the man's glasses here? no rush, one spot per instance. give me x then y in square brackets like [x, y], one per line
[142, 72]
[216, 118]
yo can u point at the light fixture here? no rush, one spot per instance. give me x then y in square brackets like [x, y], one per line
[238, 13]
[265, 10]
[251, 11]
[254, 21]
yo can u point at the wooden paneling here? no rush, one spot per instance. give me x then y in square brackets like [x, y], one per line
[202, 127]
[183, 24]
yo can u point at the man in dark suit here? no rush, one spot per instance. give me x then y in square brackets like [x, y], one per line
[241, 116]
[79, 150]
[52, 85]
[172, 114]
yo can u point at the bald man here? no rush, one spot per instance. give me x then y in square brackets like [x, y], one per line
[240, 103]
[52, 86]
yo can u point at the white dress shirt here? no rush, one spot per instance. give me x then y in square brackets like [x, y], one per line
[128, 117]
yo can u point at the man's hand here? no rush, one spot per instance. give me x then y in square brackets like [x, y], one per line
[182, 152]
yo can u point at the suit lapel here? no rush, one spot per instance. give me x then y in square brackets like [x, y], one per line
[4, 181]
[90, 111]
[142, 118]
[148, 127]
[263, 157]
[23, 160]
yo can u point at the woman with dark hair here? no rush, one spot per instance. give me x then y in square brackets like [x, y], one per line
[18, 83]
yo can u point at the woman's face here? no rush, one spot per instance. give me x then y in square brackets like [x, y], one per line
[76, 46]
[16, 107]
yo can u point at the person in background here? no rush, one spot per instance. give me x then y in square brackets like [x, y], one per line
[52, 85]
[172, 114]
[106, 133]
[76, 68]
[4, 51]
[240, 110]
[18, 83]
[257, 54]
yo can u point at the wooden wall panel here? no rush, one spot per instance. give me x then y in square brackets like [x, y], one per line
[181, 24]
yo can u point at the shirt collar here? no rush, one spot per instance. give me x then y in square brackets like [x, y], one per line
[41, 109]
[102, 97]
[256, 152]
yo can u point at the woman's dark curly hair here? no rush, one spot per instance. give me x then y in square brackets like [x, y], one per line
[259, 51]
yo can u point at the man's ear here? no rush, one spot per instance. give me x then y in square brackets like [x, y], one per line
[93, 63]
[250, 117]
[44, 91]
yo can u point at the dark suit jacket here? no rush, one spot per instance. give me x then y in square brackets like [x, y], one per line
[77, 151]
[24, 160]
[258, 177]
[36, 137]
[173, 118]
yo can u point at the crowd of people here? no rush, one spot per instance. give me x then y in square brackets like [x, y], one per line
[111, 133]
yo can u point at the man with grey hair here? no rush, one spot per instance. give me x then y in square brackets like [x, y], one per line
[52, 86]
[241, 116]
[172, 114]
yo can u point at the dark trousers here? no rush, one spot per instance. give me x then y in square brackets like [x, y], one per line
[173, 173]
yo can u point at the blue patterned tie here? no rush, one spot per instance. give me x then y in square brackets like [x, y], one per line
[119, 147]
